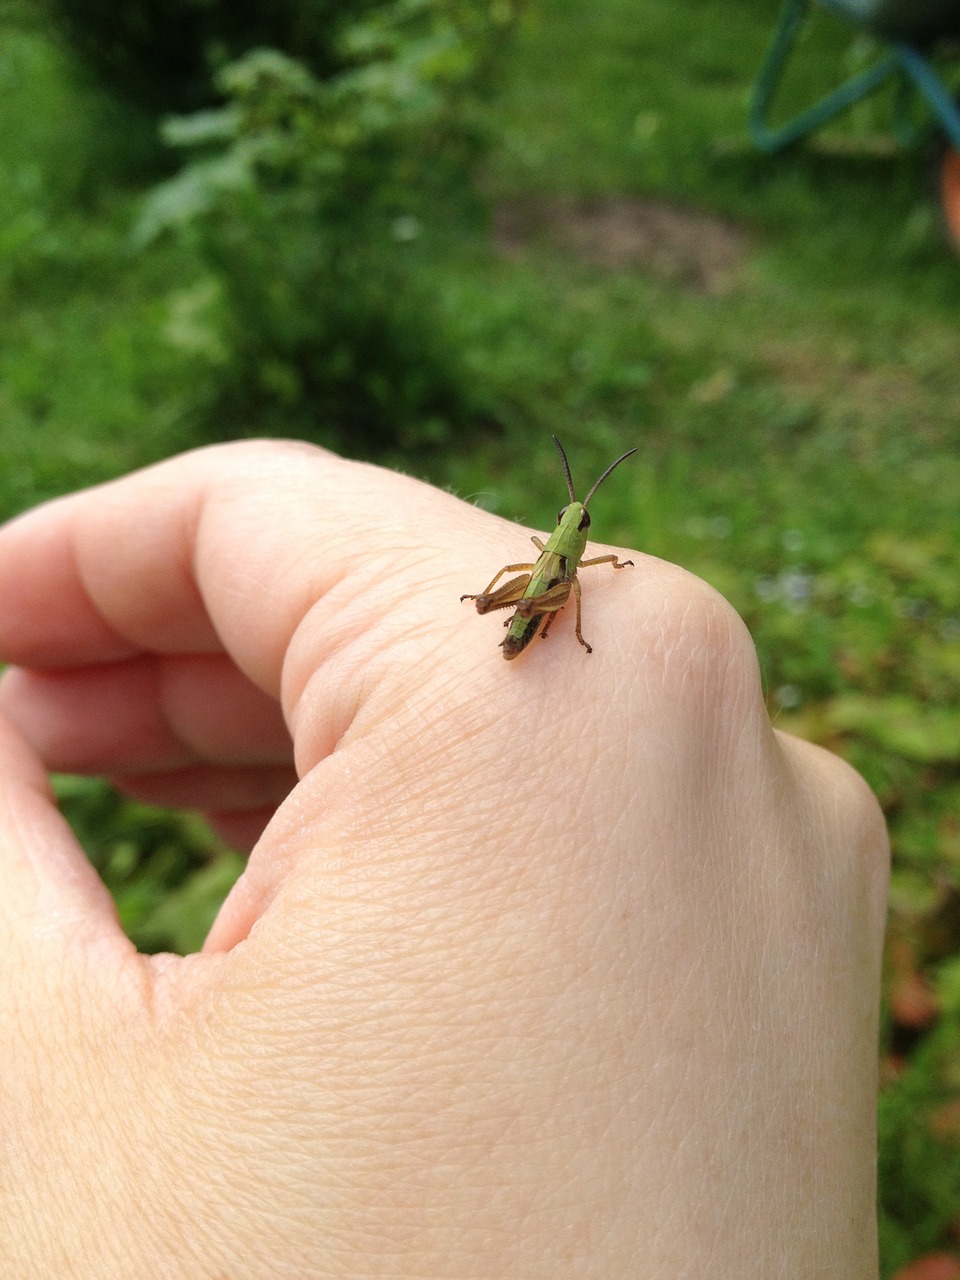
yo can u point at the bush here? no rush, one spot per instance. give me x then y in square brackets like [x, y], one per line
[310, 200]
[159, 54]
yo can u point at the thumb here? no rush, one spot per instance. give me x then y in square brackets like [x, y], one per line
[50, 895]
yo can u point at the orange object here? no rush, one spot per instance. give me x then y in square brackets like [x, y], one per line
[933, 1266]
[950, 192]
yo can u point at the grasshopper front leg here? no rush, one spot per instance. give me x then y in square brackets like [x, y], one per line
[617, 564]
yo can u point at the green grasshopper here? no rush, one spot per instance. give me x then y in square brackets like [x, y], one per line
[544, 588]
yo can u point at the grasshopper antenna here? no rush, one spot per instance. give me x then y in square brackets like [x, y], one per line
[622, 458]
[566, 469]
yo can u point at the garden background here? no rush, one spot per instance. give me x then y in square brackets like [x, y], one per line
[433, 232]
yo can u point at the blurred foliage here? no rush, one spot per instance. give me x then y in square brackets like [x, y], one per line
[861, 653]
[306, 199]
[162, 55]
[159, 55]
[167, 874]
[919, 1130]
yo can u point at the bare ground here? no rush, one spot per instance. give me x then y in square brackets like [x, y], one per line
[700, 250]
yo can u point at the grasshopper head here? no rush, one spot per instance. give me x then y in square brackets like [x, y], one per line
[574, 516]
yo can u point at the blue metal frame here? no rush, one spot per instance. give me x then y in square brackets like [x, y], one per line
[903, 60]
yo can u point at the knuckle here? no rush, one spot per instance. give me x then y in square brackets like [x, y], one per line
[706, 650]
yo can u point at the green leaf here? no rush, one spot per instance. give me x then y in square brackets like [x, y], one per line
[201, 128]
[194, 191]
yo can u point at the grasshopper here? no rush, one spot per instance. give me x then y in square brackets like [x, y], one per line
[544, 588]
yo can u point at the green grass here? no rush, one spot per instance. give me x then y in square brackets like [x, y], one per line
[784, 355]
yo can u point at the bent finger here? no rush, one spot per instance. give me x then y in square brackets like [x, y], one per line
[226, 549]
[146, 714]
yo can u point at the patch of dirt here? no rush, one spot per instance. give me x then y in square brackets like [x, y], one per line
[697, 249]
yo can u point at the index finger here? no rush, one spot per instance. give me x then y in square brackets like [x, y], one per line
[225, 548]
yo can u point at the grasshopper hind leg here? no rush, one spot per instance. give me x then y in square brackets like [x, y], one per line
[506, 596]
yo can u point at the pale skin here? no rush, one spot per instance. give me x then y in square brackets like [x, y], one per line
[542, 971]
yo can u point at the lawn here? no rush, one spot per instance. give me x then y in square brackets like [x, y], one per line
[777, 335]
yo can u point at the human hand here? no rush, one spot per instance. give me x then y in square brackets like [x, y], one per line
[565, 967]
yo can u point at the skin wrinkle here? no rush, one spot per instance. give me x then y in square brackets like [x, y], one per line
[36, 597]
[223, 742]
[124, 646]
[78, 1240]
[158, 631]
[421, 740]
[355, 644]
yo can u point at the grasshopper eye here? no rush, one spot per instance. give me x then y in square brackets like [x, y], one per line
[584, 521]
[560, 514]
